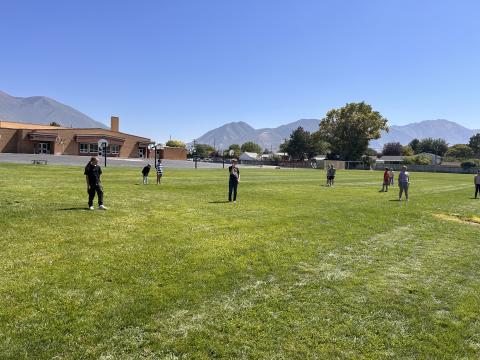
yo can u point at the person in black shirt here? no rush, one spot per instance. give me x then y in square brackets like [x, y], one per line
[233, 181]
[145, 172]
[92, 175]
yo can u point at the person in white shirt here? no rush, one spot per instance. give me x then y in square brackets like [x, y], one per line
[403, 183]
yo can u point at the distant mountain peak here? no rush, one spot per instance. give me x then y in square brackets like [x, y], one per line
[271, 138]
[43, 110]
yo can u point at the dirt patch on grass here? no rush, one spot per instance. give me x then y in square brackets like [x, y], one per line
[473, 220]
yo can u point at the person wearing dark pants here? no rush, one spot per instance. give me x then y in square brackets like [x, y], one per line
[476, 181]
[233, 181]
[92, 175]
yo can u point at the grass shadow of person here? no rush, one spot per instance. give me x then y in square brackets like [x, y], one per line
[73, 209]
[219, 202]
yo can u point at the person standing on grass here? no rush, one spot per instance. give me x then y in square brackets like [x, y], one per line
[403, 183]
[92, 175]
[329, 172]
[159, 169]
[145, 172]
[333, 171]
[233, 181]
[386, 180]
[391, 177]
[476, 181]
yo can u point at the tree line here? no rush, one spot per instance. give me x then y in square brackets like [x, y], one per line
[435, 146]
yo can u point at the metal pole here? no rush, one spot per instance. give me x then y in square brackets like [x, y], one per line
[194, 153]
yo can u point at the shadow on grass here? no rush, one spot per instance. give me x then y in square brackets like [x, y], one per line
[219, 202]
[73, 209]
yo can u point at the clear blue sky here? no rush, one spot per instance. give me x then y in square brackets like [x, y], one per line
[181, 68]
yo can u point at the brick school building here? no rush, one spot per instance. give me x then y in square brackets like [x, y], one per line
[24, 138]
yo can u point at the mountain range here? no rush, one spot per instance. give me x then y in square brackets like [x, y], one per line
[43, 110]
[271, 138]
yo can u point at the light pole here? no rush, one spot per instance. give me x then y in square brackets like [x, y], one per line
[195, 152]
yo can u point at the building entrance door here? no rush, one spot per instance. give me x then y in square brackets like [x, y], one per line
[44, 148]
[141, 152]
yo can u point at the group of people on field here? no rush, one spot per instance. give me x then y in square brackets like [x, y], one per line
[93, 172]
[159, 171]
[403, 181]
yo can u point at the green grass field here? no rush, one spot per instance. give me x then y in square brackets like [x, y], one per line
[294, 270]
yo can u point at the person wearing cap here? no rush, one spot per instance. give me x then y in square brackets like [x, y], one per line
[476, 181]
[403, 183]
[92, 175]
[233, 181]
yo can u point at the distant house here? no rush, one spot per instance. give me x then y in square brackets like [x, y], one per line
[433, 158]
[319, 157]
[389, 160]
[248, 156]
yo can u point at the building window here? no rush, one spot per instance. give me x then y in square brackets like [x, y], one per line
[83, 148]
[114, 149]
[93, 148]
[141, 152]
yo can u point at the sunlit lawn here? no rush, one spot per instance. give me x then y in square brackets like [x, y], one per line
[294, 270]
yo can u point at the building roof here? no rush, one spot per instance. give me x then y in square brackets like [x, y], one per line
[249, 154]
[93, 131]
[390, 158]
[18, 125]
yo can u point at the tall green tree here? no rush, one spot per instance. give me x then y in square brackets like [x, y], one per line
[175, 143]
[300, 144]
[407, 150]
[250, 146]
[433, 146]
[236, 151]
[392, 149]
[459, 151]
[414, 144]
[474, 144]
[203, 150]
[349, 129]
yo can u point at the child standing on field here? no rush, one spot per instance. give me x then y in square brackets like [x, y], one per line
[159, 169]
[145, 172]
[476, 181]
[391, 176]
[386, 180]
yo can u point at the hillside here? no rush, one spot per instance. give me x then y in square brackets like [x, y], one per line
[43, 110]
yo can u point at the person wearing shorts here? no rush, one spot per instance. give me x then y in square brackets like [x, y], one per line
[403, 183]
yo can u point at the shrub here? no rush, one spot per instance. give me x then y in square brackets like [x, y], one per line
[468, 164]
